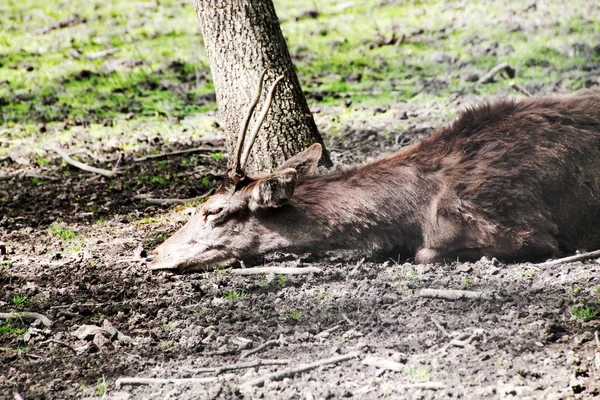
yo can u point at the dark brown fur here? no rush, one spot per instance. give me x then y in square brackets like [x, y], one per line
[512, 179]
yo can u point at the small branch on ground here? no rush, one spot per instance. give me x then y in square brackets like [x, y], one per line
[26, 174]
[267, 344]
[348, 320]
[170, 202]
[489, 77]
[102, 54]
[17, 396]
[422, 385]
[297, 370]
[520, 89]
[63, 23]
[576, 257]
[440, 327]
[180, 152]
[276, 270]
[161, 381]
[27, 315]
[451, 294]
[82, 166]
[60, 343]
[383, 363]
[327, 332]
[234, 367]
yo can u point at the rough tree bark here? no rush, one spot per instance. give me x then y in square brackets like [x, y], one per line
[243, 38]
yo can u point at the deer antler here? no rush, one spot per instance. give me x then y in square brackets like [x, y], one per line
[237, 167]
[261, 119]
[239, 159]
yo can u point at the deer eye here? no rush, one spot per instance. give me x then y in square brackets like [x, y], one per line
[214, 211]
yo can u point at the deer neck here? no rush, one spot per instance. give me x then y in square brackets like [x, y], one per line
[379, 207]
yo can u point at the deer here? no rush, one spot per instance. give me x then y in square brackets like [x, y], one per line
[515, 180]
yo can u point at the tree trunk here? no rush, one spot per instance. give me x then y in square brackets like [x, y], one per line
[243, 38]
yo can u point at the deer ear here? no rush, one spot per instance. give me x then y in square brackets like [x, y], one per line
[305, 163]
[273, 190]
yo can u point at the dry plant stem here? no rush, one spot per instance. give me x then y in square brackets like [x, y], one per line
[492, 72]
[597, 340]
[234, 367]
[276, 270]
[383, 363]
[27, 315]
[269, 343]
[440, 327]
[82, 166]
[259, 122]
[161, 381]
[423, 385]
[179, 152]
[576, 257]
[520, 89]
[60, 343]
[102, 54]
[169, 202]
[451, 294]
[17, 396]
[299, 369]
[328, 331]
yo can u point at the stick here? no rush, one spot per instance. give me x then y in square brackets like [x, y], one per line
[59, 342]
[492, 72]
[102, 54]
[297, 370]
[178, 153]
[233, 367]
[82, 166]
[27, 315]
[269, 343]
[162, 381]
[451, 294]
[576, 257]
[276, 270]
[169, 202]
[520, 89]
[440, 327]
[383, 363]
[17, 396]
[423, 385]
[71, 20]
[326, 332]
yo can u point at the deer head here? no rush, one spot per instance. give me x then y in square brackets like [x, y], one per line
[237, 221]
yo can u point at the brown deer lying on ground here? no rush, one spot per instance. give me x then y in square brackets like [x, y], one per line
[516, 180]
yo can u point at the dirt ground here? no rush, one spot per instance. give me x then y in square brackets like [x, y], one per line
[517, 339]
[72, 248]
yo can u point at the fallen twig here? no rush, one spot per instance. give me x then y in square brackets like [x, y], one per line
[27, 315]
[327, 332]
[452, 294]
[439, 326]
[422, 385]
[576, 257]
[492, 72]
[60, 343]
[597, 340]
[269, 343]
[383, 363]
[297, 370]
[63, 23]
[162, 381]
[520, 89]
[83, 166]
[169, 202]
[102, 54]
[234, 367]
[17, 396]
[26, 174]
[276, 270]
[179, 152]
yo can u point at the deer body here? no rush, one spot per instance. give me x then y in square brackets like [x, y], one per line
[516, 180]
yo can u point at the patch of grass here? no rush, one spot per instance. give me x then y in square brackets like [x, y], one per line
[234, 295]
[149, 220]
[419, 374]
[9, 328]
[584, 313]
[101, 386]
[167, 326]
[217, 156]
[61, 230]
[527, 273]
[467, 282]
[402, 288]
[20, 300]
[282, 280]
[296, 315]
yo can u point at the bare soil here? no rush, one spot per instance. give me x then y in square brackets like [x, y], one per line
[519, 339]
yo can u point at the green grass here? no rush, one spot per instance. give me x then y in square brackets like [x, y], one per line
[157, 83]
[61, 230]
[233, 295]
[20, 300]
[296, 315]
[584, 313]
[9, 328]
